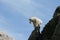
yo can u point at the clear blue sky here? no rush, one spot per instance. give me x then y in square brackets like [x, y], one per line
[14, 15]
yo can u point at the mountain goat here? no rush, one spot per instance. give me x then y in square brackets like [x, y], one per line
[36, 21]
[35, 35]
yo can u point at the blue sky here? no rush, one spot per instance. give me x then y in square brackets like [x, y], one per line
[14, 15]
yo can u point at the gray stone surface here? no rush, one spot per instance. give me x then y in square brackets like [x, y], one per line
[5, 36]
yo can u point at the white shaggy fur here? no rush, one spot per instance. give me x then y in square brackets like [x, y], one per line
[36, 21]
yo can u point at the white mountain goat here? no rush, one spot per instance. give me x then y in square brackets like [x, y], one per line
[36, 21]
[35, 35]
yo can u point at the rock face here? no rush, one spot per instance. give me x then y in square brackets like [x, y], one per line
[35, 35]
[4, 36]
[51, 30]
[56, 34]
